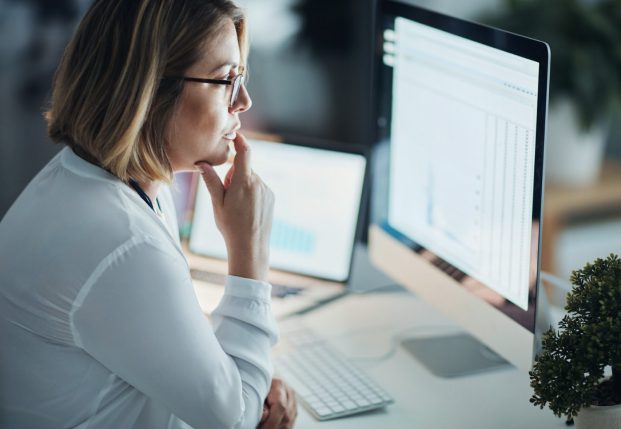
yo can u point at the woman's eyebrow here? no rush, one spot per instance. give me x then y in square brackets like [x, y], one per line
[225, 65]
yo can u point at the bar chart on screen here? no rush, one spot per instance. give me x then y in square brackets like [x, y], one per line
[291, 238]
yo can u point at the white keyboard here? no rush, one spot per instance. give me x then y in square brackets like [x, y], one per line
[326, 383]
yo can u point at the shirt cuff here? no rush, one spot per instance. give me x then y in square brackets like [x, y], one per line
[242, 287]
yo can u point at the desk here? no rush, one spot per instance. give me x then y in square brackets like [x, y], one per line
[363, 327]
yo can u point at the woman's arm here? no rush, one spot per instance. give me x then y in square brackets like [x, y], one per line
[137, 314]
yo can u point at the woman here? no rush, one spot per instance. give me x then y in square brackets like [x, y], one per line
[99, 324]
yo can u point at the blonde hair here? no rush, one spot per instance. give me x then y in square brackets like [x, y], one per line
[109, 96]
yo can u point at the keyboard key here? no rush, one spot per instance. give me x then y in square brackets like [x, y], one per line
[313, 400]
[374, 399]
[362, 402]
[331, 404]
[338, 408]
[323, 411]
[350, 405]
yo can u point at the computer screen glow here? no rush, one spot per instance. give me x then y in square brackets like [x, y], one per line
[463, 152]
[318, 194]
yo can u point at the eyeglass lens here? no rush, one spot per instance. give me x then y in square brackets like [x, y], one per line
[237, 82]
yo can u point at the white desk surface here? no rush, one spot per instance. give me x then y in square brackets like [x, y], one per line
[363, 327]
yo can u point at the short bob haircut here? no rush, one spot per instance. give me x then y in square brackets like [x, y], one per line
[109, 97]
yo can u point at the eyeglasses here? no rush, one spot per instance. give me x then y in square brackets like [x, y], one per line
[236, 82]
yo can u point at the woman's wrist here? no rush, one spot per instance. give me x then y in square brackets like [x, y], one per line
[250, 265]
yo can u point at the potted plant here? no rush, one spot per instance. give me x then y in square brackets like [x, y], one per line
[585, 77]
[578, 372]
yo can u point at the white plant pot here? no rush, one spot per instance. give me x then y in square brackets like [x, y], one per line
[573, 156]
[595, 417]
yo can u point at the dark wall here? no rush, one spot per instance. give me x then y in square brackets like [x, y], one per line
[316, 84]
[32, 37]
[316, 81]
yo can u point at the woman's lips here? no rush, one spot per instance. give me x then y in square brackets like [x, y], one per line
[230, 136]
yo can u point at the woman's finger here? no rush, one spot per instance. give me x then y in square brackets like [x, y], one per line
[277, 403]
[292, 407]
[228, 177]
[212, 181]
[242, 160]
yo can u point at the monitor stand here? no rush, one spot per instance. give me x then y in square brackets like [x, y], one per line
[454, 355]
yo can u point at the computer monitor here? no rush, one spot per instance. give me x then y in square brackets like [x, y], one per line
[318, 199]
[458, 178]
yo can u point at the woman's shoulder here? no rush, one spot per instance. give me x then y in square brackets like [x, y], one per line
[85, 215]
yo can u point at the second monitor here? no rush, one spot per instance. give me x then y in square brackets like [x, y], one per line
[318, 199]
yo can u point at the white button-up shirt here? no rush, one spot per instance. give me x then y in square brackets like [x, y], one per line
[99, 323]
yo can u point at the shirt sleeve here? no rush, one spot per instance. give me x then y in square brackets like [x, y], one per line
[138, 316]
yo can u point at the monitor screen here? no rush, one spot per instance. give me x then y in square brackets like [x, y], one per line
[461, 111]
[318, 196]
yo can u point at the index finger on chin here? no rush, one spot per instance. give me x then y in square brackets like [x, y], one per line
[242, 161]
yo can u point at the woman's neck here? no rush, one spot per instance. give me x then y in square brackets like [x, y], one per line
[150, 188]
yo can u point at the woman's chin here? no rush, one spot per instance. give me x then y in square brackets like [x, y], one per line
[221, 159]
[215, 159]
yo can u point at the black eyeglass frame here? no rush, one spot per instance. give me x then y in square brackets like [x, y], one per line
[237, 81]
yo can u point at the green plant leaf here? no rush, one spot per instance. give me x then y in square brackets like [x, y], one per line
[568, 373]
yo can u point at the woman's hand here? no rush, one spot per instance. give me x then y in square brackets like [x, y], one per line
[243, 206]
[281, 407]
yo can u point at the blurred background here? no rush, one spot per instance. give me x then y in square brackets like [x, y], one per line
[311, 76]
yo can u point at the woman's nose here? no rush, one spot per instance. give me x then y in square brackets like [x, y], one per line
[243, 102]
